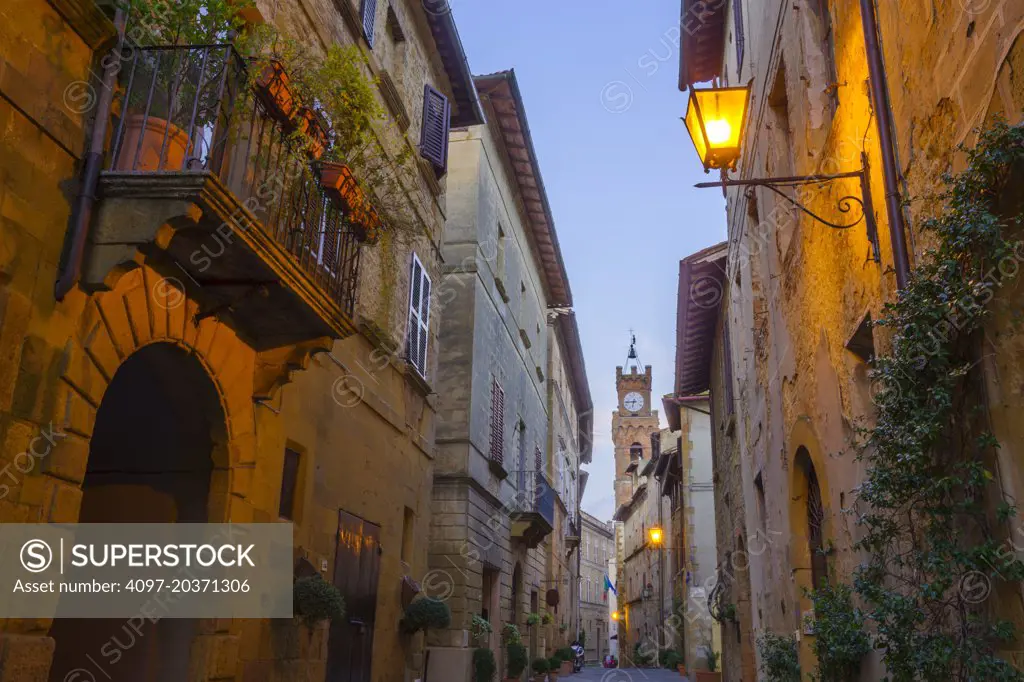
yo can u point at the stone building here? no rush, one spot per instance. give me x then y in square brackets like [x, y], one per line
[513, 397]
[597, 549]
[570, 442]
[792, 349]
[295, 403]
[704, 408]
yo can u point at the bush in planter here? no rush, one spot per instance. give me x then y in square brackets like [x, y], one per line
[517, 658]
[426, 613]
[484, 665]
[541, 665]
[510, 634]
[779, 659]
[566, 653]
[316, 600]
[554, 663]
[532, 619]
[670, 659]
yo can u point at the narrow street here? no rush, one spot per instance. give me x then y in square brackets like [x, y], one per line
[450, 341]
[625, 675]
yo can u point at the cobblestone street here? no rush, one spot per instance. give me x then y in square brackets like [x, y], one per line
[625, 675]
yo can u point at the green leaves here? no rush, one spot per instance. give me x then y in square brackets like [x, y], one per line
[779, 659]
[933, 558]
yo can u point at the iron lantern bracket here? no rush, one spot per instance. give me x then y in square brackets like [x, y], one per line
[845, 204]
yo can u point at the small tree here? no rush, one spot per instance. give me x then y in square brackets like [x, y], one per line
[779, 659]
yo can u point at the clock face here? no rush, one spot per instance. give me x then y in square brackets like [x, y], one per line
[634, 402]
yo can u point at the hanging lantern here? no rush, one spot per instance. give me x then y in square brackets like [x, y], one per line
[715, 119]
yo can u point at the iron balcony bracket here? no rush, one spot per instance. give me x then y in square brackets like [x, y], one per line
[845, 204]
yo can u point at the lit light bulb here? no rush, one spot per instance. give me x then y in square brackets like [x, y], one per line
[718, 131]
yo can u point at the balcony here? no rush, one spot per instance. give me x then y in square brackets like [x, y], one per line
[203, 183]
[572, 533]
[533, 514]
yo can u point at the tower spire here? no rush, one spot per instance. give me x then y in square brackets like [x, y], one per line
[633, 358]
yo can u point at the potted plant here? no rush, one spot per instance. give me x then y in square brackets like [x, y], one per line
[566, 655]
[554, 667]
[165, 92]
[516, 658]
[532, 619]
[510, 634]
[540, 669]
[314, 129]
[547, 618]
[711, 674]
[425, 613]
[484, 665]
[316, 600]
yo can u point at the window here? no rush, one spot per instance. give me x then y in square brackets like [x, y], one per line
[419, 316]
[497, 422]
[434, 131]
[368, 16]
[827, 45]
[408, 529]
[737, 15]
[394, 26]
[636, 452]
[289, 484]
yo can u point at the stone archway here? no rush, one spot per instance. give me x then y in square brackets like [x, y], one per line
[809, 525]
[141, 340]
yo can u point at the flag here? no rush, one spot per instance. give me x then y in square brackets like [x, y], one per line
[608, 586]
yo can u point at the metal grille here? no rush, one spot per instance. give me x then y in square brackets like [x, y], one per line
[191, 109]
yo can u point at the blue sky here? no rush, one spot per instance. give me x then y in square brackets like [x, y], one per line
[599, 81]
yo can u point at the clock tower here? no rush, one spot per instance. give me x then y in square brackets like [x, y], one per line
[632, 423]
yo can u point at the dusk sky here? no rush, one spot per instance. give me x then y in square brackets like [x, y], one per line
[599, 81]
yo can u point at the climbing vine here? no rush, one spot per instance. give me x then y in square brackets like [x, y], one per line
[929, 512]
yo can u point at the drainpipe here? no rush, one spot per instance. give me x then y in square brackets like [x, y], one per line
[880, 101]
[81, 213]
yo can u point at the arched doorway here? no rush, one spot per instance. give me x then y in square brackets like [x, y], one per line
[813, 513]
[159, 429]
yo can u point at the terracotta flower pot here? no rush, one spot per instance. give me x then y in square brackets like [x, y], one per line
[553, 675]
[341, 187]
[273, 89]
[312, 125]
[705, 676]
[682, 669]
[566, 669]
[152, 135]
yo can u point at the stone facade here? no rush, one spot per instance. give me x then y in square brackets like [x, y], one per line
[795, 293]
[117, 368]
[597, 549]
[510, 441]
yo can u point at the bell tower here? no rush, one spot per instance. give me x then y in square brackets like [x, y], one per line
[632, 423]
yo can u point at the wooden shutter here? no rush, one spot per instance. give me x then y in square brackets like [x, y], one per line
[434, 131]
[737, 13]
[289, 484]
[368, 15]
[419, 316]
[497, 422]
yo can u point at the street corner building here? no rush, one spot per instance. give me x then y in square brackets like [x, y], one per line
[514, 419]
[776, 325]
[208, 359]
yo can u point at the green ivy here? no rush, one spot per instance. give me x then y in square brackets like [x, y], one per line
[922, 507]
[840, 642]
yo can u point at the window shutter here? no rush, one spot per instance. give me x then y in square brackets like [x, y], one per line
[434, 131]
[737, 13]
[497, 422]
[419, 316]
[368, 14]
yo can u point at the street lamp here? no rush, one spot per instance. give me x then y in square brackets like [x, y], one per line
[656, 535]
[715, 118]
[716, 121]
[615, 615]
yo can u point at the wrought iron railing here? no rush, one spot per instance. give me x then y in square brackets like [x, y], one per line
[534, 495]
[187, 109]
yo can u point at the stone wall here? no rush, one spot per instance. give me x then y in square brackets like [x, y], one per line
[797, 291]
